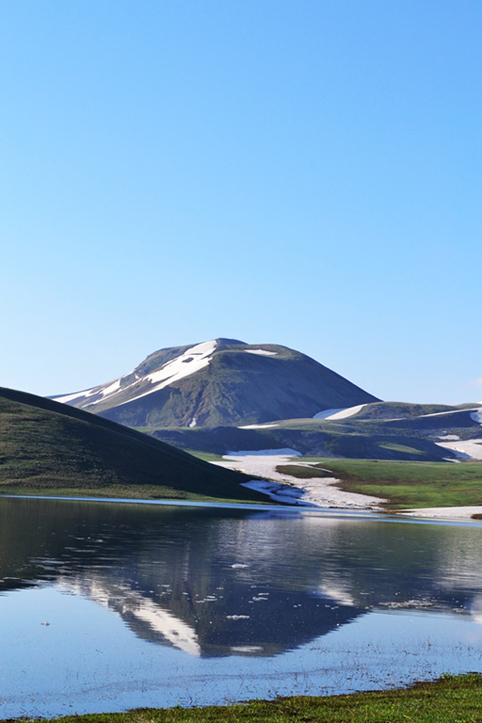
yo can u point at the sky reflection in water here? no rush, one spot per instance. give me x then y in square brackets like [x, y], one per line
[154, 606]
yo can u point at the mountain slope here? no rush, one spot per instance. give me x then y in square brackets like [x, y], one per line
[45, 445]
[221, 382]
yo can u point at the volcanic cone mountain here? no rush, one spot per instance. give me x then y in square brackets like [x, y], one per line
[220, 383]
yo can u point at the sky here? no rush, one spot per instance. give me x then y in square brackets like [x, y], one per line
[302, 172]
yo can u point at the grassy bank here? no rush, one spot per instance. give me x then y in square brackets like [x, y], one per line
[139, 492]
[404, 484]
[452, 699]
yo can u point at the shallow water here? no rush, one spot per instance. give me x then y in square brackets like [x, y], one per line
[106, 606]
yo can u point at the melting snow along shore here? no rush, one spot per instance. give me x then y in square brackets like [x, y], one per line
[314, 491]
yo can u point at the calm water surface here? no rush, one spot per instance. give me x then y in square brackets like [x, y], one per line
[108, 606]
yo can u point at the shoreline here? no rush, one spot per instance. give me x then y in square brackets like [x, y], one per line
[444, 699]
[314, 492]
[318, 492]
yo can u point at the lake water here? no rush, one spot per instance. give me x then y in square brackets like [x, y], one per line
[106, 606]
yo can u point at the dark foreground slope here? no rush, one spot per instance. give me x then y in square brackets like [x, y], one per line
[49, 447]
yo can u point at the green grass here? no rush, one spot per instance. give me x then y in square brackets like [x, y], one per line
[302, 472]
[395, 447]
[206, 456]
[409, 484]
[452, 699]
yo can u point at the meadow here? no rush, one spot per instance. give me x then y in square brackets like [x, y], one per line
[405, 484]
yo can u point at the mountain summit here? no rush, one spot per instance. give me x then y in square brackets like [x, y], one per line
[221, 382]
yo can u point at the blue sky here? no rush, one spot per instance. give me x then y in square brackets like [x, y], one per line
[304, 173]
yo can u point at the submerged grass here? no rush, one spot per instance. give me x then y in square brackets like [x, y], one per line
[408, 484]
[451, 699]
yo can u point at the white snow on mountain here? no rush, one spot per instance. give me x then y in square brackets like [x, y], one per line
[190, 362]
[326, 414]
[261, 352]
[477, 416]
[339, 413]
[77, 395]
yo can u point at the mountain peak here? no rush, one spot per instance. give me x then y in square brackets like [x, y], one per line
[220, 382]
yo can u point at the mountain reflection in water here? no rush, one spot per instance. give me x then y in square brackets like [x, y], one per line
[217, 582]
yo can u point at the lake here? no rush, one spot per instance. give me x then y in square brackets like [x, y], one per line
[106, 606]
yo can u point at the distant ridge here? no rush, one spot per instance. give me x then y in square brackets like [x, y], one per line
[220, 382]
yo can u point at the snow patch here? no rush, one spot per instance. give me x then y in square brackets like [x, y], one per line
[281, 487]
[70, 397]
[452, 411]
[193, 422]
[260, 426]
[451, 513]
[477, 416]
[261, 352]
[192, 361]
[339, 413]
[468, 449]
[111, 388]
[328, 412]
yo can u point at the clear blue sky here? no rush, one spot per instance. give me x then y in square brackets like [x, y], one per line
[305, 173]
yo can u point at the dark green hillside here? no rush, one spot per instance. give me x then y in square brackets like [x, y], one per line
[310, 437]
[50, 448]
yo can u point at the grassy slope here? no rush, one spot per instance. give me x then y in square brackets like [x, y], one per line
[50, 448]
[407, 484]
[449, 700]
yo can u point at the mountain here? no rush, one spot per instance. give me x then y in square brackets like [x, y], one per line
[219, 383]
[49, 447]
